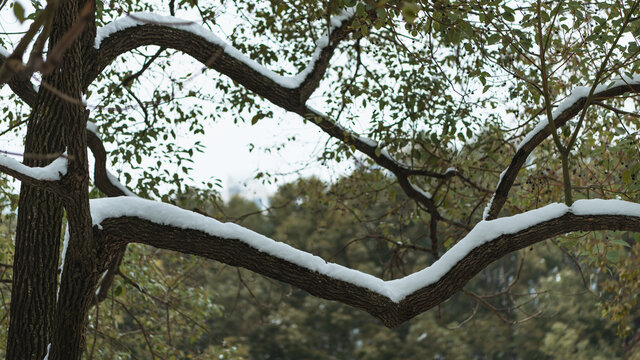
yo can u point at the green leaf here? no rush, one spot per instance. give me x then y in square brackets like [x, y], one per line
[626, 177]
[613, 256]
[620, 242]
[18, 11]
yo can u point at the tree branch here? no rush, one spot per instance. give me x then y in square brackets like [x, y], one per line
[47, 177]
[164, 226]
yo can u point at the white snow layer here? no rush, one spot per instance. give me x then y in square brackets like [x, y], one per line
[51, 172]
[578, 93]
[65, 245]
[395, 290]
[422, 192]
[46, 356]
[91, 126]
[291, 82]
[487, 208]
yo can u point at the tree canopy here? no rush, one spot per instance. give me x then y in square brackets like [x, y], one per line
[497, 124]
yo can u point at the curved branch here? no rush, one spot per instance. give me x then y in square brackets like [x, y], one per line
[123, 220]
[142, 29]
[566, 111]
[103, 179]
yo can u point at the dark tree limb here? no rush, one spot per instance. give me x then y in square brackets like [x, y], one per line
[236, 252]
[21, 86]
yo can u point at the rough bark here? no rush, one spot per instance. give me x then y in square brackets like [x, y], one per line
[35, 261]
[122, 230]
[53, 126]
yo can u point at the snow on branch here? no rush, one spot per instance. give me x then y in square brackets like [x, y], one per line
[290, 82]
[579, 94]
[394, 301]
[45, 176]
[566, 110]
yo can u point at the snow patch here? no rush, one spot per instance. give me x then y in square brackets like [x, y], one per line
[51, 172]
[422, 192]
[91, 126]
[605, 207]
[119, 185]
[46, 356]
[367, 141]
[485, 213]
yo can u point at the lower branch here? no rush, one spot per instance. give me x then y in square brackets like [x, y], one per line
[393, 302]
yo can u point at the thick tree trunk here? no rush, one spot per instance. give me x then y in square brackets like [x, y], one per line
[55, 125]
[35, 264]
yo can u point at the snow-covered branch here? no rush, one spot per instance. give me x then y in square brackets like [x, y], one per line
[394, 301]
[103, 179]
[47, 177]
[140, 29]
[566, 110]
[289, 93]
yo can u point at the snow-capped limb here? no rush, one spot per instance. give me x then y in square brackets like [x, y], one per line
[395, 301]
[147, 29]
[47, 177]
[140, 29]
[566, 111]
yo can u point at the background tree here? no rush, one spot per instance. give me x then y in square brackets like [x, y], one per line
[426, 72]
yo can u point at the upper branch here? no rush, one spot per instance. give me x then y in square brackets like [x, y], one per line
[395, 301]
[289, 93]
[567, 110]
